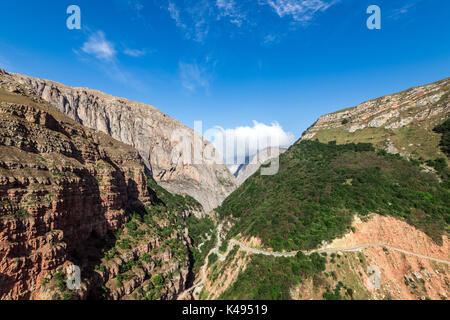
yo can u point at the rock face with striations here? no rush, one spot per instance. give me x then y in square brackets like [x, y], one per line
[64, 189]
[166, 146]
[399, 123]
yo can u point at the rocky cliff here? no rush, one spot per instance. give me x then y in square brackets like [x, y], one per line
[166, 146]
[399, 123]
[66, 193]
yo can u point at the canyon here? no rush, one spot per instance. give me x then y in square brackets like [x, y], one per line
[101, 182]
[64, 191]
[161, 140]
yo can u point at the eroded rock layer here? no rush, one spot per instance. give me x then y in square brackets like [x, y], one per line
[166, 146]
[399, 123]
[64, 189]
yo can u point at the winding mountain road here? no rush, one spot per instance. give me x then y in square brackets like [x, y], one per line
[331, 250]
[245, 248]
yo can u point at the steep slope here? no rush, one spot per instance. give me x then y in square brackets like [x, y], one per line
[70, 195]
[400, 123]
[248, 169]
[319, 188]
[312, 201]
[409, 263]
[166, 145]
[323, 184]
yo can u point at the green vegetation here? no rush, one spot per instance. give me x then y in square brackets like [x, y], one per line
[58, 285]
[203, 235]
[8, 208]
[271, 278]
[174, 202]
[324, 185]
[212, 258]
[336, 293]
[224, 246]
[416, 139]
[164, 219]
[444, 129]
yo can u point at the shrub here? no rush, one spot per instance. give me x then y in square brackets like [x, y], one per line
[212, 258]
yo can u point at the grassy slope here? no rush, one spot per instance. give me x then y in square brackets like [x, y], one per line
[321, 186]
[416, 139]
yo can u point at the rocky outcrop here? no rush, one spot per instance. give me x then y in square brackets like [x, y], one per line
[180, 160]
[64, 189]
[248, 169]
[399, 123]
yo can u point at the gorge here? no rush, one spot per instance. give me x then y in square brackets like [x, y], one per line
[99, 182]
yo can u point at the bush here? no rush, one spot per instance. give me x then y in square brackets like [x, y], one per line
[157, 280]
[212, 258]
[444, 129]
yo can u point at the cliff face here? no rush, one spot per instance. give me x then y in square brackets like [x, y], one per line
[399, 123]
[165, 144]
[63, 190]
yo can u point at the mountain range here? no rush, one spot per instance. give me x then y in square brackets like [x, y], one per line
[106, 184]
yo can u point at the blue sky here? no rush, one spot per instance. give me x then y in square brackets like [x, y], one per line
[229, 62]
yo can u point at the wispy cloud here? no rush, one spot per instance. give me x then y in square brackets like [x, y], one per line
[194, 76]
[135, 53]
[271, 39]
[195, 18]
[300, 10]
[99, 53]
[228, 9]
[99, 47]
[198, 19]
[402, 11]
[174, 12]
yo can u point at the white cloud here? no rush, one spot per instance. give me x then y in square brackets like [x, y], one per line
[401, 12]
[300, 10]
[98, 46]
[194, 76]
[136, 53]
[193, 21]
[175, 15]
[196, 18]
[227, 8]
[238, 143]
[271, 39]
